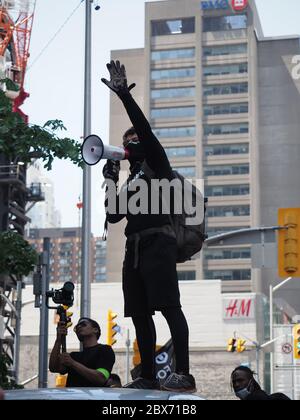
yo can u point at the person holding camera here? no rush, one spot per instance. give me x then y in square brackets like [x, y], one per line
[90, 367]
[150, 281]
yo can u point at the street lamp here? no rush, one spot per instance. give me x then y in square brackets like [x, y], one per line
[272, 290]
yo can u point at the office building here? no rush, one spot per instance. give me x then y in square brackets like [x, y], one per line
[224, 102]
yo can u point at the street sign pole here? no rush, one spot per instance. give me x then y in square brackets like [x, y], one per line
[85, 308]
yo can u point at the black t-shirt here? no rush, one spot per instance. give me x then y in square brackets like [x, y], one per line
[98, 357]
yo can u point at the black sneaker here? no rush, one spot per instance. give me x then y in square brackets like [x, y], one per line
[179, 383]
[142, 383]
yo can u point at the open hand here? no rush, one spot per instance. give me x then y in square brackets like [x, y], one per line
[118, 78]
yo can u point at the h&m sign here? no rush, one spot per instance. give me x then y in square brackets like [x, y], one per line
[239, 309]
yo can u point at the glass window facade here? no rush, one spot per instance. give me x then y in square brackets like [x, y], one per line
[175, 132]
[228, 211]
[185, 92]
[178, 112]
[187, 172]
[223, 170]
[227, 254]
[186, 275]
[227, 190]
[225, 129]
[226, 149]
[173, 26]
[225, 50]
[173, 54]
[227, 275]
[180, 152]
[173, 73]
[228, 89]
[224, 23]
[224, 70]
[224, 109]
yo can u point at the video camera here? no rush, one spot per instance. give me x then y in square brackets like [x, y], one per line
[63, 296]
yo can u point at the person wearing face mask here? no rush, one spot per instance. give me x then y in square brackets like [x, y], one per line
[247, 389]
[150, 281]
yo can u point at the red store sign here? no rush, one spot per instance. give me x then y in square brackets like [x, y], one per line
[239, 309]
[239, 5]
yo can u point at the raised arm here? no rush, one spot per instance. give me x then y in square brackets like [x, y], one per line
[156, 156]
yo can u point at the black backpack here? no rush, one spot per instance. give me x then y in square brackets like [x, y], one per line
[190, 236]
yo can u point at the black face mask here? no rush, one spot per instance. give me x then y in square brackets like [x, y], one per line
[136, 152]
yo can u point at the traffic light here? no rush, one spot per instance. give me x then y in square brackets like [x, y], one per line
[296, 335]
[241, 345]
[289, 243]
[111, 328]
[231, 347]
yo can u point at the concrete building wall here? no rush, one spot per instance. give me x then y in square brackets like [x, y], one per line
[119, 123]
[279, 142]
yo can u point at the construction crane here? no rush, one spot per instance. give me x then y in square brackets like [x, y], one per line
[16, 19]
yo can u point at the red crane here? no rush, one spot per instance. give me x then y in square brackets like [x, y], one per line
[16, 20]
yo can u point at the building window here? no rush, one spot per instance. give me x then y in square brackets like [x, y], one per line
[224, 170]
[173, 73]
[175, 132]
[186, 275]
[180, 152]
[230, 89]
[224, 23]
[173, 54]
[225, 50]
[227, 254]
[186, 92]
[226, 149]
[227, 275]
[225, 129]
[225, 70]
[178, 112]
[228, 211]
[223, 109]
[187, 172]
[173, 27]
[227, 190]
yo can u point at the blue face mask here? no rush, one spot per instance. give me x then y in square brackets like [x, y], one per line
[244, 393]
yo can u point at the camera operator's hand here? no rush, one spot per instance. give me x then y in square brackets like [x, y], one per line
[111, 170]
[118, 78]
[66, 360]
[62, 330]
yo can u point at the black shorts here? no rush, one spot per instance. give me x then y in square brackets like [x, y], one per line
[153, 285]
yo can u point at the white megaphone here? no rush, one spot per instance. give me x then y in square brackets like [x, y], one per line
[93, 150]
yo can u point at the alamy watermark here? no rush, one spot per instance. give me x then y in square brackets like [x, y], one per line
[158, 196]
[296, 67]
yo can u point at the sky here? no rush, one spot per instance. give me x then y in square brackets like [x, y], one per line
[55, 79]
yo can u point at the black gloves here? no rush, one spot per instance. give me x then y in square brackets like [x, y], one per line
[111, 170]
[118, 79]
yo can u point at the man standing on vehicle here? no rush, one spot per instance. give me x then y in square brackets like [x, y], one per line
[150, 281]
